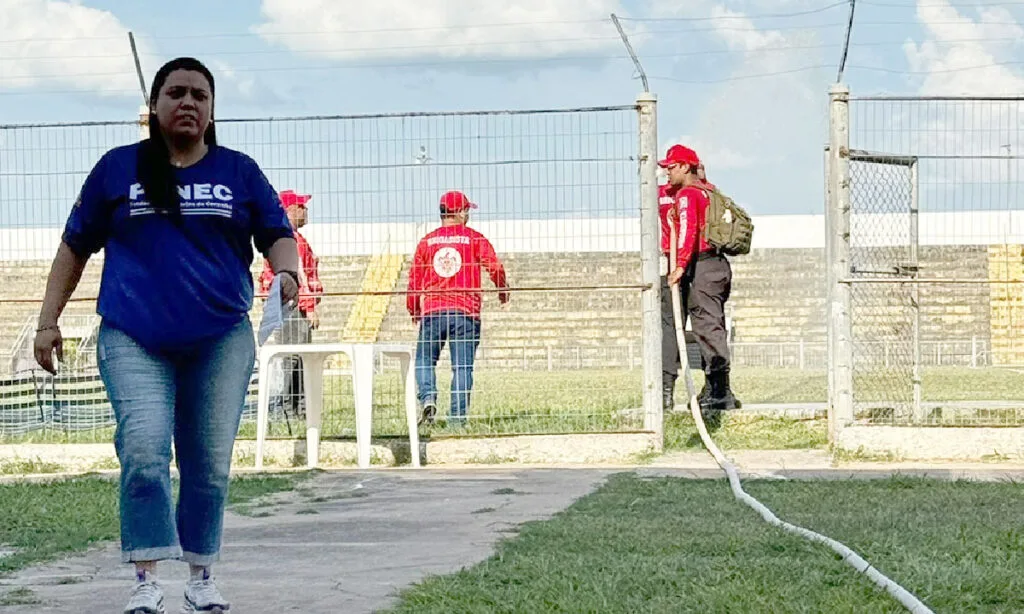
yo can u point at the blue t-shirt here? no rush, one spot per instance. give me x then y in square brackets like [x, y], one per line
[168, 286]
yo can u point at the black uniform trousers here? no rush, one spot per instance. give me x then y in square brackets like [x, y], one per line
[712, 284]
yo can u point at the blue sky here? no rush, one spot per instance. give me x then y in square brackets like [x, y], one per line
[743, 81]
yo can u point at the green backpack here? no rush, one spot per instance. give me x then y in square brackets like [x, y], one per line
[727, 227]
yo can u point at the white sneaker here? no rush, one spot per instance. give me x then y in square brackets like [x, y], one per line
[146, 598]
[202, 597]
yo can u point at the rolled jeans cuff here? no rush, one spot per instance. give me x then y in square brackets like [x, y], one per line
[200, 560]
[151, 554]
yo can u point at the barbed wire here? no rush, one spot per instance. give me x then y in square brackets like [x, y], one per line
[454, 26]
[457, 27]
[456, 61]
[567, 59]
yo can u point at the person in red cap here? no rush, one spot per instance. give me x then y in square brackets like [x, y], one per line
[681, 203]
[300, 324]
[445, 299]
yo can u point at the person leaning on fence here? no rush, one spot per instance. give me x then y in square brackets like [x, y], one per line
[680, 202]
[176, 215]
[300, 324]
[725, 229]
[445, 299]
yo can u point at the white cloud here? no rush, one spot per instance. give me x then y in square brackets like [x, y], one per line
[759, 123]
[431, 29]
[956, 42]
[739, 32]
[960, 55]
[244, 87]
[716, 156]
[48, 42]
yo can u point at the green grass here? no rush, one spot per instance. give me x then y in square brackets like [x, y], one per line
[671, 545]
[594, 400]
[516, 402]
[23, 466]
[41, 521]
[544, 402]
[748, 433]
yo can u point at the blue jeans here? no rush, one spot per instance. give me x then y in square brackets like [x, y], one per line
[193, 396]
[463, 336]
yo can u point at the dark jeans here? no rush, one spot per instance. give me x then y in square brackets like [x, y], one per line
[462, 333]
[712, 284]
[670, 351]
[295, 329]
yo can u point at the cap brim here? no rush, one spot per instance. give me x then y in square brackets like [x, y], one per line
[665, 163]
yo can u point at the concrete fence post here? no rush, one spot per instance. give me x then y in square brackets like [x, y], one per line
[837, 212]
[650, 235]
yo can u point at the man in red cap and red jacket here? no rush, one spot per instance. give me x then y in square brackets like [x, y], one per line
[445, 299]
[681, 204]
[301, 323]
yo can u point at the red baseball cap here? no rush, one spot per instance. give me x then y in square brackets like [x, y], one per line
[677, 154]
[455, 201]
[290, 199]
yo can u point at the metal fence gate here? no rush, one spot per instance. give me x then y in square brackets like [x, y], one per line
[884, 308]
[925, 253]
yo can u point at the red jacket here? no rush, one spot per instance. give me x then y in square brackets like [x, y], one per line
[310, 289]
[446, 273]
[691, 204]
[704, 246]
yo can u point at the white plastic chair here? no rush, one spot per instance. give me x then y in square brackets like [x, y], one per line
[362, 356]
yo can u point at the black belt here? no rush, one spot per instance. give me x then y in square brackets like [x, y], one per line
[714, 253]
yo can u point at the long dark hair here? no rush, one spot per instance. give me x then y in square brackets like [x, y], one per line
[154, 159]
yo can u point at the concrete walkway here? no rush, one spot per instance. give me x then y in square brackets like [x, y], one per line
[348, 540]
[345, 544]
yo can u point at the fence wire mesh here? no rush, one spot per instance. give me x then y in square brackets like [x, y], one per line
[881, 204]
[936, 251]
[558, 199]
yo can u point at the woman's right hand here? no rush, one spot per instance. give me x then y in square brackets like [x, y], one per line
[46, 342]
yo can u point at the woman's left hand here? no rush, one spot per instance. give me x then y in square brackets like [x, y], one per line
[289, 290]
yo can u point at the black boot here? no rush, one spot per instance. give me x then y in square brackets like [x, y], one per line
[720, 395]
[668, 397]
[705, 394]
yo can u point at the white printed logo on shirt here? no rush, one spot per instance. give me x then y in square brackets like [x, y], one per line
[447, 262]
[195, 199]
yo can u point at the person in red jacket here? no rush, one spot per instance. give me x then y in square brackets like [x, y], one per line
[445, 299]
[300, 324]
[681, 204]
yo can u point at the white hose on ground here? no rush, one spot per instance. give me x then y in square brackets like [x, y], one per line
[905, 597]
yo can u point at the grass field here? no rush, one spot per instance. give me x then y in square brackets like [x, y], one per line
[607, 400]
[601, 400]
[39, 521]
[671, 545]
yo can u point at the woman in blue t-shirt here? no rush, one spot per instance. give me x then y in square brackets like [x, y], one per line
[177, 215]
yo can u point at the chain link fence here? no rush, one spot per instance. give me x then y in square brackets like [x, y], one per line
[559, 199]
[925, 260]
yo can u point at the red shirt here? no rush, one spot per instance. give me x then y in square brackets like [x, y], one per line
[691, 204]
[446, 274]
[310, 288]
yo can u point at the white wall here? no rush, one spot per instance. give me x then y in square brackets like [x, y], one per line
[605, 234]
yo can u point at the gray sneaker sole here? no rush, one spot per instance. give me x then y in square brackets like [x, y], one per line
[189, 608]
